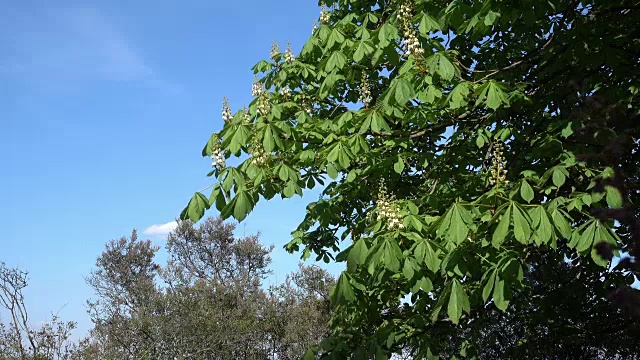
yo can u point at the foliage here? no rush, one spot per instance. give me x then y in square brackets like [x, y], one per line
[208, 302]
[496, 131]
[19, 339]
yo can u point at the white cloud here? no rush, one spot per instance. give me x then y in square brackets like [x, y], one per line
[163, 229]
[93, 34]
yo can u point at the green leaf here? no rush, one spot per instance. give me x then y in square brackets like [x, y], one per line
[336, 38]
[423, 284]
[352, 176]
[460, 220]
[337, 60]
[403, 90]
[559, 177]
[501, 294]
[343, 290]
[283, 173]
[444, 295]
[399, 165]
[440, 64]
[491, 18]
[332, 171]
[217, 197]
[481, 139]
[378, 123]
[500, 233]
[290, 189]
[614, 197]
[521, 227]
[425, 254]
[359, 252]
[236, 138]
[365, 48]
[208, 147]
[387, 33]
[526, 191]
[427, 24]
[458, 301]
[196, 208]
[243, 205]
[587, 237]
[561, 223]
[407, 269]
[486, 290]
[543, 230]
[430, 94]
[310, 354]
[391, 254]
[458, 96]
[268, 141]
[492, 95]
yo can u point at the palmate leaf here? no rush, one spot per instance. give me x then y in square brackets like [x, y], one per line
[342, 291]
[427, 24]
[364, 49]
[492, 95]
[543, 231]
[458, 96]
[196, 208]
[518, 219]
[425, 254]
[454, 224]
[440, 64]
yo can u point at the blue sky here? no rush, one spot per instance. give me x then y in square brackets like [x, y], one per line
[105, 106]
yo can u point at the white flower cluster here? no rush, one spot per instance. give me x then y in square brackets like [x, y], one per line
[315, 27]
[264, 106]
[388, 209]
[498, 166]
[288, 55]
[325, 18]
[365, 91]
[246, 117]
[258, 155]
[226, 110]
[217, 157]
[411, 43]
[285, 92]
[257, 88]
[275, 50]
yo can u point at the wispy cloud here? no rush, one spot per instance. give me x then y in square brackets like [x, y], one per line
[162, 229]
[74, 45]
[95, 35]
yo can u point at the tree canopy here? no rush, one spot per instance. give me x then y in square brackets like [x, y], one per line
[461, 147]
[208, 302]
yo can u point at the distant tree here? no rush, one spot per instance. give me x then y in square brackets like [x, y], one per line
[124, 284]
[299, 311]
[208, 302]
[20, 339]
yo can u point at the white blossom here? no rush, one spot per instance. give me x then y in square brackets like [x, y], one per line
[227, 115]
[288, 55]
